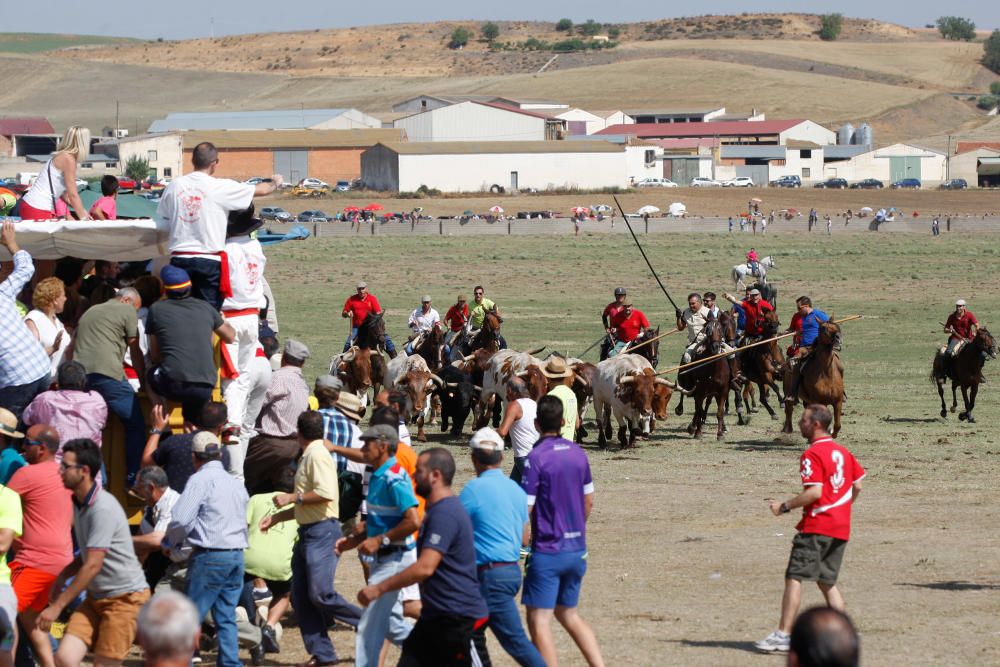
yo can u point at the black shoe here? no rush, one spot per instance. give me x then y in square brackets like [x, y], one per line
[269, 639]
[257, 654]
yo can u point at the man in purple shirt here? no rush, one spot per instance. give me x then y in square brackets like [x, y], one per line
[70, 409]
[560, 497]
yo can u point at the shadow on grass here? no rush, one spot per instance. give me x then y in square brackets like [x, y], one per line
[766, 445]
[746, 647]
[911, 420]
[953, 586]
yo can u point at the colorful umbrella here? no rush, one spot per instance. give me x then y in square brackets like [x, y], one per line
[601, 208]
[580, 209]
[648, 210]
[374, 207]
[351, 209]
[496, 209]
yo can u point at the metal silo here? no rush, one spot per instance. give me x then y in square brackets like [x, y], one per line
[864, 136]
[845, 135]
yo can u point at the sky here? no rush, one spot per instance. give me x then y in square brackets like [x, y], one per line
[182, 19]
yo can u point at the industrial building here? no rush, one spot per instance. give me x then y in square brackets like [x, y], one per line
[274, 119]
[480, 122]
[980, 167]
[757, 132]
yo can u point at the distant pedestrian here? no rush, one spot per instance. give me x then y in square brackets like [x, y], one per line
[831, 480]
[848, 217]
[743, 224]
[730, 224]
[763, 226]
[753, 221]
[829, 225]
[936, 226]
[560, 498]
[948, 224]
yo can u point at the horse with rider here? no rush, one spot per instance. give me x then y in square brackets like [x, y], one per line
[962, 359]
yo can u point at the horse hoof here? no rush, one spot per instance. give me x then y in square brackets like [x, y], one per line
[944, 413]
[971, 419]
[690, 430]
[953, 408]
[787, 429]
[720, 436]
[774, 418]
[754, 410]
[746, 420]
[962, 416]
[678, 410]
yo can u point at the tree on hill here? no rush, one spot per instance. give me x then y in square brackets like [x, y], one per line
[564, 25]
[490, 31]
[137, 168]
[956, 28]
[590, 28]
[991, 49]
[830, 26]
[459, 38]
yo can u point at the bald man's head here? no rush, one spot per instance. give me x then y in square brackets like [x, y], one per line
[824, 637]
[40, 443]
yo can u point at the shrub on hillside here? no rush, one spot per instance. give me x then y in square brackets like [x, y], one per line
[564, 25]
[614, 32]
[830, 26]
[988, 102]
[490, 31]
[956, 28]
[590, 28]
[459, 38]
[991, 49]
[995, 88]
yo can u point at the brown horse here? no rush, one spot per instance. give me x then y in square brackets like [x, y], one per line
[431, 347]
[714, 379]
[488, 337]
[822, 380]
[761, 365]
[965, 371]
[649, 351]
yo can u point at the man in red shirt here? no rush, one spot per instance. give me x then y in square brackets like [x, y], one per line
[962, 326]
[357, 307]
[455, 318]
[628, 325]
[46, 543]
[831, 480]
[610, 311]
[754, 307]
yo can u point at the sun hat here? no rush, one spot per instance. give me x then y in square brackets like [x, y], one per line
[361, 285]
[755, 291]
[486, 439]
[425, 298]
[349, 403]
[8, 424]
[627, 301]
[556, 368]
[242, 222]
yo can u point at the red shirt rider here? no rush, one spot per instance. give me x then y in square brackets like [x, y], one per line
[755, 307]
[628, 324]
[457, 315]
[961, 322]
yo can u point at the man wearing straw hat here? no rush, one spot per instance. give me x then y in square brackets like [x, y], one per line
[560, 378]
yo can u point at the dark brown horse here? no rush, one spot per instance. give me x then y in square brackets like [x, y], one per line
[761, 365]
[965, 371]
[650, 351]
[822, 380]
[713, 380]
[488, 337]
[431, 347]
[371, 336]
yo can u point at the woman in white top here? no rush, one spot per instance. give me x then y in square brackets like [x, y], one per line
[49, 298]
[49, 194]
[519, 423]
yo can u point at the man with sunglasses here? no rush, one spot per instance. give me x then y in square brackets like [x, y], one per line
[195, 208]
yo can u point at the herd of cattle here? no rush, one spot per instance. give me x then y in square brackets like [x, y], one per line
[624, 386]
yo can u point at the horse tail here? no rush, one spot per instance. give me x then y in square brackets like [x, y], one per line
[735, 275]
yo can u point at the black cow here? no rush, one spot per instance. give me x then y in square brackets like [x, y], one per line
[457, 395]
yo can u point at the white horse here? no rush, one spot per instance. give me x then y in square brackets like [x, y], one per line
[742, 271]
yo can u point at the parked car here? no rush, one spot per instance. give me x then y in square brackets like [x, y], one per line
[275, 213]
[907, 183]
[343, 186]
[787, 182]
[254, 180]
[125, 183]
[955, 184]
[868, 184]
[313, 216]
[702, 182]
[314, 183]
[738, 182]
[655, 183]
[833, 184]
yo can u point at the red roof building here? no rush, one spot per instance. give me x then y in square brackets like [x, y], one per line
[26, 125]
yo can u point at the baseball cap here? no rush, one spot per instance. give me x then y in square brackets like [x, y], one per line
[425, 298]
[361, 284]
[960, 302]
[627, 302]
[755, 291]
[486, 439]
[329, 382]
[205, 442]
[296, 350]
[619, 291]
[382, 433]
[8, 424]
[175, 279]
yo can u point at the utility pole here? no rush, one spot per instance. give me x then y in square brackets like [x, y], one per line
[947, 162]
[117, 125]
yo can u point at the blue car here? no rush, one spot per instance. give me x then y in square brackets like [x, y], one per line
[912, 183]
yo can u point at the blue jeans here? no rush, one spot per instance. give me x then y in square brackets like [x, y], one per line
[517, 472]
[122, 401]
[499, 587]
[383, 618]
[314, 565]
[17, 397]
[214, 583]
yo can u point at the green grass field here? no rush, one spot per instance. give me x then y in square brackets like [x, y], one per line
[36, 42]
[685, 561]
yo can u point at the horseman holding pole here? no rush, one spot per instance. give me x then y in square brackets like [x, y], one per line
[754, 307]
[693, 318]
[609, 313]
[628, 325]
[805, 323]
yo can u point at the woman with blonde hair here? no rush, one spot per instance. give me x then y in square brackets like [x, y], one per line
[55, 187]
[48, 299]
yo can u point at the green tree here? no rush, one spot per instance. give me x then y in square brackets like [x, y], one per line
[459, 38]
[988, 102]
[995, 88]
[956, 28]
[830, 26]
[490, 31]
[564, 25]
[137, 168]
[590, 28]
[614, 32]
[991, 52]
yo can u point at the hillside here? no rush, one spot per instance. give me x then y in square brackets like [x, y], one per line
[37, 42]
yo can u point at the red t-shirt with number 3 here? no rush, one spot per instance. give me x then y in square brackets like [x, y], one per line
[835, 469]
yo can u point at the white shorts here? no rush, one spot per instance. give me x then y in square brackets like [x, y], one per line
[411, 592]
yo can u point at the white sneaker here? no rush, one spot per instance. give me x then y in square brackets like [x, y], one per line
[776, 641]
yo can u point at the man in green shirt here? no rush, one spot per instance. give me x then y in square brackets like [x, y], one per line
[478, 314]
[561, 378]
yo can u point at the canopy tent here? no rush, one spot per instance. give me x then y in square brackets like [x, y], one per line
[117, 240]
[128, 206]
[677, 210]
[648, 210]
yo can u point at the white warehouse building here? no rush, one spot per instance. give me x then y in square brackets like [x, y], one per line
[480, 121]
[890, 164]
[468, 166]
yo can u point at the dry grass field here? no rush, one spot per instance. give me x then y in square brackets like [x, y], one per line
[685, 560]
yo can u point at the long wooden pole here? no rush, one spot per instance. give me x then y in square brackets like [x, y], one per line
[688, 365]
[651, 340]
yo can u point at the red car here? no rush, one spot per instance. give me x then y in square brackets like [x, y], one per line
[126, 183]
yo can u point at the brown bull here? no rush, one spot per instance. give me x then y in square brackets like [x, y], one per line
[416, 379]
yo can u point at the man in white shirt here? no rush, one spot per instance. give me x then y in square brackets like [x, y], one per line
[242, 312]
[422, 320]
[195, 209]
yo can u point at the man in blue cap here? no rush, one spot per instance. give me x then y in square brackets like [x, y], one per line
[180, 343]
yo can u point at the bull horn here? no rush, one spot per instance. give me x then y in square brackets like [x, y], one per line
[582, 380]
[349, 355]
[451, 385]
[437, 380]
[628, 379]
[477, 389]
[469, 358]
[537, 351]
[666, 382]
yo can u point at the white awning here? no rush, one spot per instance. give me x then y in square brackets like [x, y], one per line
[112, 240]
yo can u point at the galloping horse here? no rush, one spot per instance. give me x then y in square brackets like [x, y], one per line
[761, 366]
[714, 379]
[822, 380]
[965, 371]
[742, 271]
